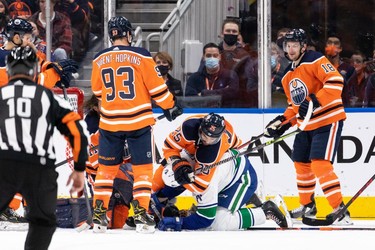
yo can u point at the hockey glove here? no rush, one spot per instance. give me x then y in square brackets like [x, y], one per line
[303, 107]
[274, 127]
[183, 172]
[170, 224]
[65, 69]
[172, 113]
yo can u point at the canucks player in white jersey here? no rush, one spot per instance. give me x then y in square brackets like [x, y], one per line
[222, 205]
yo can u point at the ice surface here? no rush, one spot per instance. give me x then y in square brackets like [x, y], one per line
[69, 239]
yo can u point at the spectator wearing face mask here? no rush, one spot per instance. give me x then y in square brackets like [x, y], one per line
[213, 79]
[165, 64]
[332, 52]
[235, 57]
[355, 89]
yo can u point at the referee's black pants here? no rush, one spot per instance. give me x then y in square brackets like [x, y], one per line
[38, 186]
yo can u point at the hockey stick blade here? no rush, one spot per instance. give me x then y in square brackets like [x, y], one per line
[331, 218]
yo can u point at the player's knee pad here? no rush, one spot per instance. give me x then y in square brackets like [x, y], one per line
[321, 167]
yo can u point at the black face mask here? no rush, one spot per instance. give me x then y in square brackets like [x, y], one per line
[230, 40]
[163, 69]
[280, 42]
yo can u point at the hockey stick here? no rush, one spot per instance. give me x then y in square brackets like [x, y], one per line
[265, 144]
[332, 217]
[248, 143]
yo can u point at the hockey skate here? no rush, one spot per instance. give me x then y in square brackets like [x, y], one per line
[343, 220]
[308, 210]
[279, 201]
[10, 220]
[12, 216]
[144, 222]
[272, 211]
[129, 224]
[100, 218]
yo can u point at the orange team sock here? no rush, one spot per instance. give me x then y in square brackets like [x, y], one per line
[16, 202]
[328, 180]
[143, 176]
[158, 182]
[103, 185]
[305, 182]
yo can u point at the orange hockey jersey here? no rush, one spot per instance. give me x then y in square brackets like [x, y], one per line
[46, 77]
[186, 138]
[125, 79]
[314, 75]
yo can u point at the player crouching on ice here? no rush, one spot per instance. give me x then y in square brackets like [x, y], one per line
[221, 192]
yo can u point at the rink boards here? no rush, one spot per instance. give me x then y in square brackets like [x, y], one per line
[354, 163]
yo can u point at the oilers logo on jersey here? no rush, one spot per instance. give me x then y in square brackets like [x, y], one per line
[298, 91]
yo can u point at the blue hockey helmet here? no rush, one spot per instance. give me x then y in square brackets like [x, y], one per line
[18, 26]
[118, 27]
[296, 35]
[212, 126]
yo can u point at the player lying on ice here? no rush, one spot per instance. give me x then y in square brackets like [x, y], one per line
[221, 192]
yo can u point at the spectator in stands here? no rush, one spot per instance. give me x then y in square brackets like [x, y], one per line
[78, 12]
[39, 43]
[370, 85]
[61, 30]
[332, 52]
[22, 8]
[4, 18]
[355, 91]
[213, 79]
[165, 64]
[91, 107]
[280, 37]
[235, 57]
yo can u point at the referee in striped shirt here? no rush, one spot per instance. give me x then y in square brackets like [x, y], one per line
[29, 113]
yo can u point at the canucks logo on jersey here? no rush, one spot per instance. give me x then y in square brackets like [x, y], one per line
[298, 91]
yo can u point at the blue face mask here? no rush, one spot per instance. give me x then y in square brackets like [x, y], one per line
[211, 62]
[273, 62]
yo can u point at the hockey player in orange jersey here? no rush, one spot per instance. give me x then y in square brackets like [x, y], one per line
[221, 192]
[311, 76]
[19, 33]
[125, 79]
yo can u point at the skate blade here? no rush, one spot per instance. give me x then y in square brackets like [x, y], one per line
[127, 227]
[10, 226]
[145, 229]
[279, 200]
[82, 227]
[343, 222]
[99, 228]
